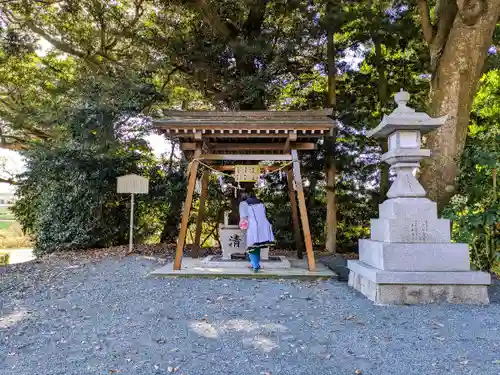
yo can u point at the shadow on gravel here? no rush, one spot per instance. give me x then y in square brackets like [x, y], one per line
[494, 292]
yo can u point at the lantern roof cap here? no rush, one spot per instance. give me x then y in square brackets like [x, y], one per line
[405, 118]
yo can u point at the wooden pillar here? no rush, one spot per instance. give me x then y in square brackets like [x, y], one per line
[193, 168]
[295, 215]
[303, 211]
[201, 213]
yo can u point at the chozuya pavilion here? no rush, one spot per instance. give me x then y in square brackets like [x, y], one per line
[222, 141]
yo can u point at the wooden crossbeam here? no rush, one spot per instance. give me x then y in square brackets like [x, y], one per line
[230, 168]
[250, 125]
[243, 135]
[302, 114]
[303, 146]
[250, 157]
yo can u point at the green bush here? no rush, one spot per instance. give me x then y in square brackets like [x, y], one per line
[68, 199]
[478, 227]
[4, 258]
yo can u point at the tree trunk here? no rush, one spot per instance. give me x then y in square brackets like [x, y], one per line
[330, 143]
[383, 94]
[458, 44]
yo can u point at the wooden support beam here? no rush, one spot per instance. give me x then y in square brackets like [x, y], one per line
[251, 157]
[230, 168]
[235, 135]
[198, 136]
[214, 147]
[260, 146]
[201, 213]
[181, 240]
[295, 215]
[292, 137]
[303, 211]
[245, 125]
[302, 115]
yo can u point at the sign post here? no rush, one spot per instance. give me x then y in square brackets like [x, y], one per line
[132, 184]
[246, 173]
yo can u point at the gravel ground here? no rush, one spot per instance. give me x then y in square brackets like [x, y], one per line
[107, 317]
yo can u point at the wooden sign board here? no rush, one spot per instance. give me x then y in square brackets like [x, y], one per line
[246, 173]
[132, 184]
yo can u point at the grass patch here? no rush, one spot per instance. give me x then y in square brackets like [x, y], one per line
[6, 214]
[5, 225]
[12, 236]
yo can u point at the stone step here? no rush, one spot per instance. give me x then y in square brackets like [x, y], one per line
[414, 256]
[411, 230]
[378, 276]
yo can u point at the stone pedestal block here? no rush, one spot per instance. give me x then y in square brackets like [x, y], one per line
[411, 230]
[414, 256]
[389, 287]
[232, 240]
[408, 208]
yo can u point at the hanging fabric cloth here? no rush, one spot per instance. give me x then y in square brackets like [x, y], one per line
[198, 186]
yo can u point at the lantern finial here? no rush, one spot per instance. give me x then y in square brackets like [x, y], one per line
[402, 98]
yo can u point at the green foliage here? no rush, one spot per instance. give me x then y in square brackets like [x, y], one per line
[68, 203]
[81, 108]
[4, 258]
[476, 207]
[159, 212]
[67, 196]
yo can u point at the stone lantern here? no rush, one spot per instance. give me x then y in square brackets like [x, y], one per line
[410, 257]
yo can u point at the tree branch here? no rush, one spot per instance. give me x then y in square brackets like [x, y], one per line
[471, 10]
[427, 27]
[223, 29]
[12, 146]
[61, 45]
[445, 14]
[162, 88]
[8, 181]
[253, 24]
[139, 11]
[209, 235]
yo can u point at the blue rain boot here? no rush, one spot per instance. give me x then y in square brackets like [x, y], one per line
[254, 256]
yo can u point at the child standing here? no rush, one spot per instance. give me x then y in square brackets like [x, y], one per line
[258, 230]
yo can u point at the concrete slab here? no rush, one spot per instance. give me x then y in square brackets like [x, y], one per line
[196, 268]
[214, 261]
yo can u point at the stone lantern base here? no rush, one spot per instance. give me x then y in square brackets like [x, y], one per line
[410, 259]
